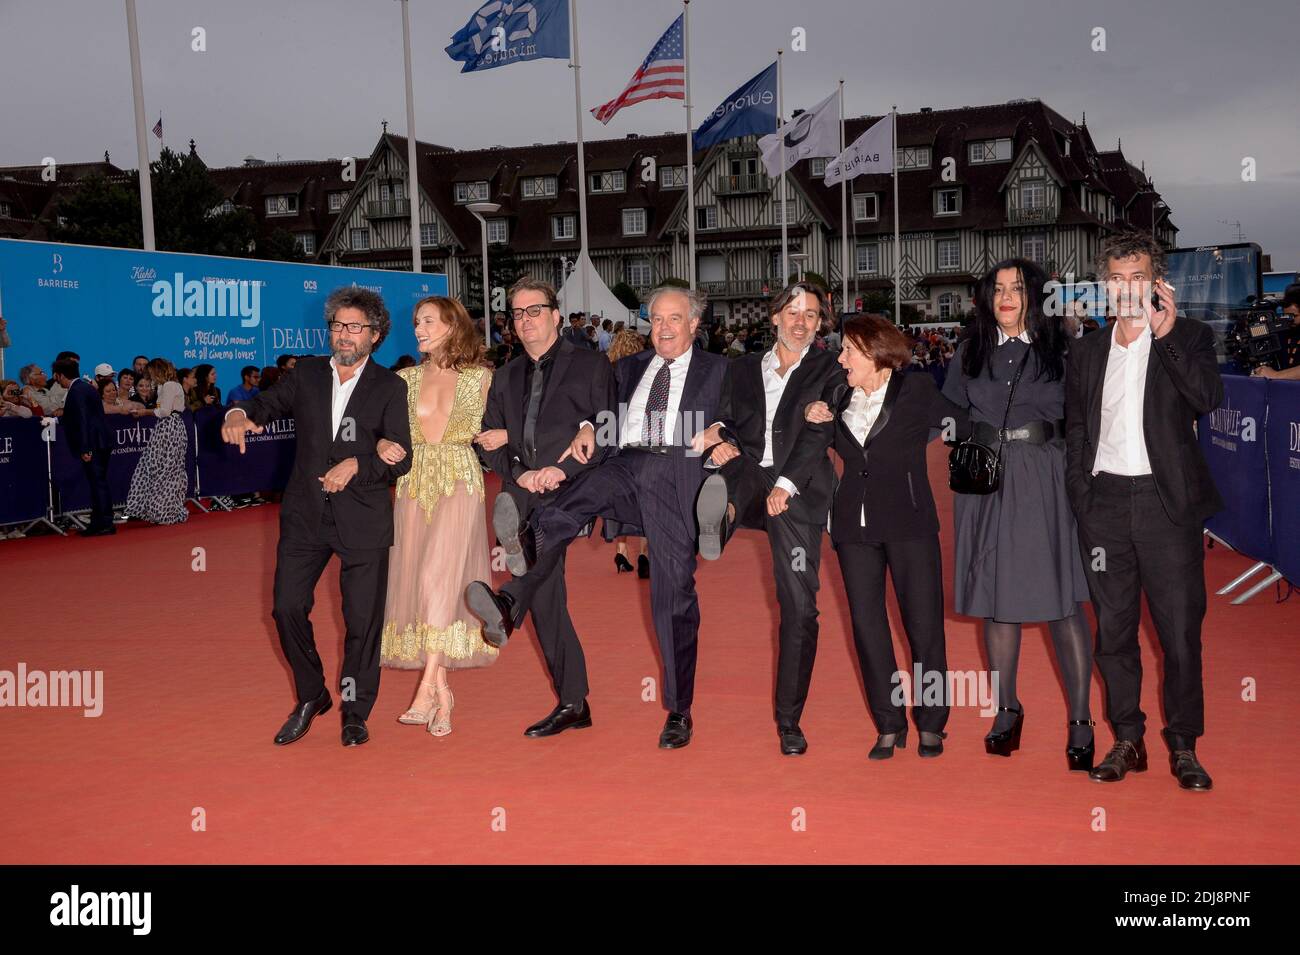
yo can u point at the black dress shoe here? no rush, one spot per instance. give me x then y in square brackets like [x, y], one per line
[299, 721]
[711, 515]
[513, 535]
[567, 716]
[1079, 758]
[885, 743]
[496, 610]
[98, 531]
[1125, 757]
[354, 731]
[1189, 772]
[1006, 742]
[643, 567]
[793, 742]
[931, 744]
[622, 564]
[677, 731]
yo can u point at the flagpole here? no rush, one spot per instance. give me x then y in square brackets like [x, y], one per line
[780, 120]
[576, 66]
[413, 176]
[844, 215]
[141, 143]
[898, 248]
[690, 148]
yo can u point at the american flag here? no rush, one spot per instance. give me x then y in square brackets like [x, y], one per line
[661, 76]
[157, 127]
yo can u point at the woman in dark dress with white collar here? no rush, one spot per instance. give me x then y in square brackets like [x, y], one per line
[883, 516]
[1017, 552]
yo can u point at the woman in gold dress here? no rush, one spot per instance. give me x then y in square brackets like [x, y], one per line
[440, 539]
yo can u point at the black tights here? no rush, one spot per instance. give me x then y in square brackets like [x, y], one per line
[1073, 645]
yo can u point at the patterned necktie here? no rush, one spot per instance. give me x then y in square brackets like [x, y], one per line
[656, 406]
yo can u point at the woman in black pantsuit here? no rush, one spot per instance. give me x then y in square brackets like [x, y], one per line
[883, 516]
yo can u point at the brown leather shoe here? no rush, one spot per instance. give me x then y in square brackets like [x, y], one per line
[1125, 757]
[1188, 770]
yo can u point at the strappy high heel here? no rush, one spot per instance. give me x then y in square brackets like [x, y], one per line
[1007, 741]
[1079, 758]
[442, 725]
[414, 717]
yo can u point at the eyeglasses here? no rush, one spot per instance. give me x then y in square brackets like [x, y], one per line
[532, 311]
[352, 327]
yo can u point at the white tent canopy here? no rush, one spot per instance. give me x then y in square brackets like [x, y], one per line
[601, 302]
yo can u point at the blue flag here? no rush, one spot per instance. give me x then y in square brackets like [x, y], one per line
[749, 110]
[502, 32]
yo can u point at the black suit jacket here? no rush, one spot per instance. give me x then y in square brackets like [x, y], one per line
[83, 419]
[886, 474]
[744, 411]
[1182, 383]
[377, 407]
[580, 387]
[698, 408]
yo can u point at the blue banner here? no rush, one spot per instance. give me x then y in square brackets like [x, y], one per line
[222, 470]
[128, 437]
[1283, 443]
[1232, 438]
[24, 486]
[109, 305]
[1215, 275]
[751, 110]
[499, 34]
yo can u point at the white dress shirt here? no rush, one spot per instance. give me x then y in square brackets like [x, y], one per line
[1121, 442]
[1003, 337]
[171, 398]
[341, 391]
[630, 433]
[860, 416]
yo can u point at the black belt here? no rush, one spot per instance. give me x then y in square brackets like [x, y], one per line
[1035, 432]
[650, 448]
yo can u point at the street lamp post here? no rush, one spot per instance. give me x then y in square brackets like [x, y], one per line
[481, 209]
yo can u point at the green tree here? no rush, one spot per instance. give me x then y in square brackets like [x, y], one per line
[627, 295]
[100, 212]
[504, 271]
[280, 246]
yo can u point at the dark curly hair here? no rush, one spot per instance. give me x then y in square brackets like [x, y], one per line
[1123, 245]
[371, 303]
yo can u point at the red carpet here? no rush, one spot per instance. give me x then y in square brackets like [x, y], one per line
[194, 690]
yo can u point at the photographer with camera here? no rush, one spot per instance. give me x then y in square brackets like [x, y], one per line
[1291, 308]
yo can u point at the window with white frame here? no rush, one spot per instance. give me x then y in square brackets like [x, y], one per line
[637, 272]
[6, 210]
[947, 202]
[307, 242]
[563, 227]
[791, 213]
[225, 207]
[281, 205]
[336, 200]
[359, 240]
[947, 253]
[611, 180]
[428, 233]
[706, 217]
[1033, 194]
[1033, 246]
[989, 150]
[912, 157]
[948, 304]
[476, 191]
[634, 222]
[817, 166]
[539, 187]
[867, 258]
[496, 232]
[389, 191]
[774, 266]
[672, 177]
[866, 207]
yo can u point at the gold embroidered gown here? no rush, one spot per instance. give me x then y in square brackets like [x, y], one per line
[440, 539]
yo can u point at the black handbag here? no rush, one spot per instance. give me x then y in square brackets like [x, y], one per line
[975, 468]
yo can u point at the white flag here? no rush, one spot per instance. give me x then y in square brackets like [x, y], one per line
[812, 133]
[873, 151]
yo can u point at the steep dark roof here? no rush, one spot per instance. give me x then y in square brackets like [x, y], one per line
[311, 181]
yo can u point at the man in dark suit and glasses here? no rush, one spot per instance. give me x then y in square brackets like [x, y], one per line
[666, 397]
[1141, 491]
[86, 431]
[540, 399]
[762, 411]
[337, 502]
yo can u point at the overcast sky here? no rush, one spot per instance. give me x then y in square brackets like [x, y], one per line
[1191, 88]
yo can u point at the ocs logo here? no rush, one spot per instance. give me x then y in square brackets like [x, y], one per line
[503, 13]
[309, 285]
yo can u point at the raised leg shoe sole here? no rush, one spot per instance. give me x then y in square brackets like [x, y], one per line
[710, 511]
